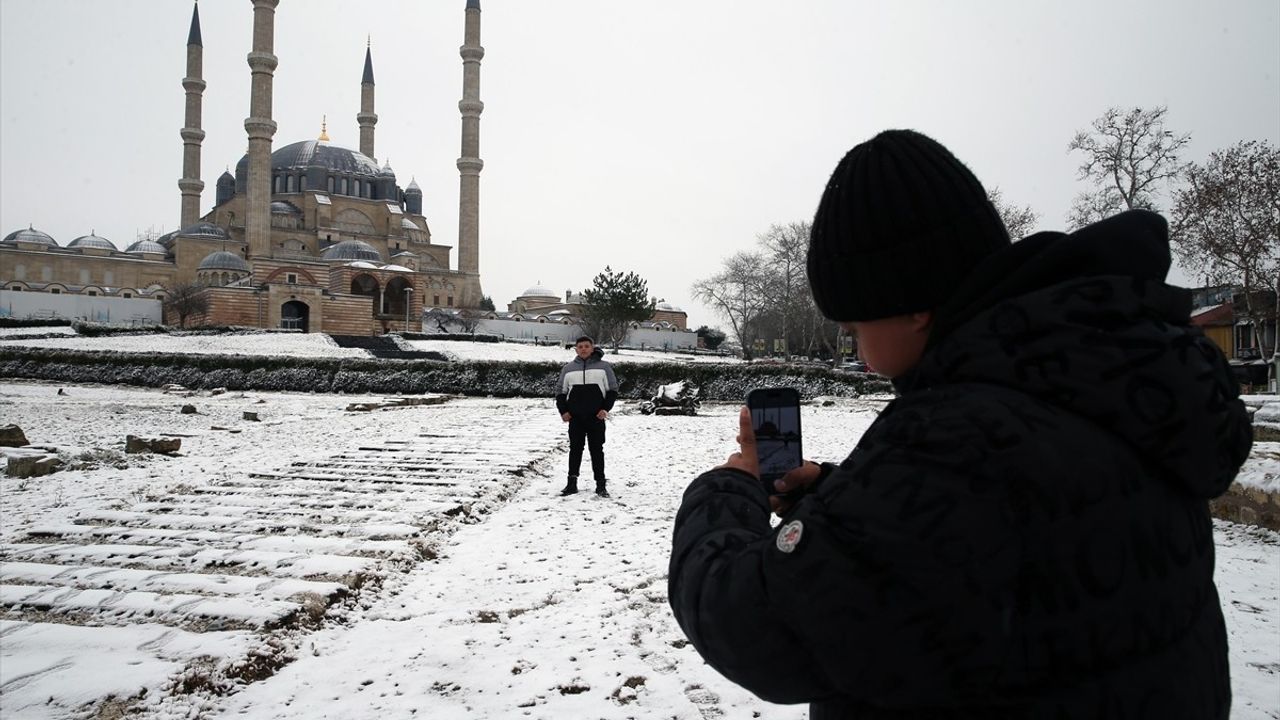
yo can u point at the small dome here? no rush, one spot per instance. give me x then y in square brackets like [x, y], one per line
[667, 307]
[146, 246]
[409, 224]
[204, 230]
[223, 260]
[92, 241]
[351, 250]
[29, 235]
[413, 187]
[280, 207]
[226, 177]
[386, 171]
[538, 291]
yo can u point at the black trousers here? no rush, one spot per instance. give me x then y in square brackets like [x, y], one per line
[591, 432]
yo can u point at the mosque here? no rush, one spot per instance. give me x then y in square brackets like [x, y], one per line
[310, 236]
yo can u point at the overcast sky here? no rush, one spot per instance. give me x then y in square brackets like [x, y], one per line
[658, 137]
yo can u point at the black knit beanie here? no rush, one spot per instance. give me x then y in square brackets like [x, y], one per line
[900, 225]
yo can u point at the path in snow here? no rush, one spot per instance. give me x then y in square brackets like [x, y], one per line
[216, 579]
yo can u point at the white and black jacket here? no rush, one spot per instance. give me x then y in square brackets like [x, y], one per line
[586, 387]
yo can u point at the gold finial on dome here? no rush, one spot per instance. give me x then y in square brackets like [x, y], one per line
[324, 131]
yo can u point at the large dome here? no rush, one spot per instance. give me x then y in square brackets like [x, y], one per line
[92, 241]
[351, 250]
[539, 291]
[301, 155]
[29, 235]
[665, 306]
[223, 260]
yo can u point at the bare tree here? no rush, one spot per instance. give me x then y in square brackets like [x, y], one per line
[1128, 156]
[1226, 223]
[469, 319]
[184, 300]
[737, 293]
[1019, 220]
[785, 287]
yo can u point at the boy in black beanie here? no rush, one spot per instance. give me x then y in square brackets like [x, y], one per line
[1024, 532]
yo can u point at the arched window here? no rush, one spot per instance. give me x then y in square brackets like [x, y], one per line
[289, 183]
[345, 187]
[330, 183]
[302, 183]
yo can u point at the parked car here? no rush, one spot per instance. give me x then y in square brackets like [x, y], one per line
[854, 365]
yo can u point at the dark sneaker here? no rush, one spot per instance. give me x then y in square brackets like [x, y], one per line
[571, 487]
[601, 491]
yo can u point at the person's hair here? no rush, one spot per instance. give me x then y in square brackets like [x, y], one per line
[584, 338]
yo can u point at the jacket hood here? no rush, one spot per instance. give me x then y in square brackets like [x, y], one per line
[1086, 322]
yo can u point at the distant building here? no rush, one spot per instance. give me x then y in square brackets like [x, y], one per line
[540, 301]
[311, 236]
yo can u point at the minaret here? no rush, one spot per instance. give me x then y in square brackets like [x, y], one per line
[366, 117]
[261, 128]
[191, 185]
[470, 164]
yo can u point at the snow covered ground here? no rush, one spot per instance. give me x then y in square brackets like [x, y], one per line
[288, 344]
[519, 351]
[485, 595]
[318, 345]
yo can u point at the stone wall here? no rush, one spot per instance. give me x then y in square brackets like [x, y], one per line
[1248, 505]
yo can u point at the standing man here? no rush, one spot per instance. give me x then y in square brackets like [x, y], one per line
[587, 391]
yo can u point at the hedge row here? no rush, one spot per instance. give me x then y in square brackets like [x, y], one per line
[383, 376]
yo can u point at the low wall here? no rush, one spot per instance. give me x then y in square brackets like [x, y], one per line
[1248, 505]
[554, 332]
[95, 308]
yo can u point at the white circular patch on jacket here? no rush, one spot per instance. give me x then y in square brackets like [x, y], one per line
[789, 536]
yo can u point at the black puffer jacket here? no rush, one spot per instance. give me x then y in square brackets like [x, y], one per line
[1024, 533]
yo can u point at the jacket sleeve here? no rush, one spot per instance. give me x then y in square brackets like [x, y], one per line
[611, 394]
[562, 397]
[719, 589]
[871, 604]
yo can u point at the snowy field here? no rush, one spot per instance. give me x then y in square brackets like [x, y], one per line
[534, 353]
[405, 562]
[288, 344]
[319, 345]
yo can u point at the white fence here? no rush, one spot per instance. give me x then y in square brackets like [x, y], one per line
[559, 333]
[96, 308]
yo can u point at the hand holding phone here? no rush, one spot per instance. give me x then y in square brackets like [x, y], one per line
[775, 425]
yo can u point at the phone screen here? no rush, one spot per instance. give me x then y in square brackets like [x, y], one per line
[775, 417]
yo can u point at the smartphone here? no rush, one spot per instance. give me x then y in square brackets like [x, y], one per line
[775, 417]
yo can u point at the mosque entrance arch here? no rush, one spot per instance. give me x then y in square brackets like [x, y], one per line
[396, 297]
[367, 285]
[295, 315]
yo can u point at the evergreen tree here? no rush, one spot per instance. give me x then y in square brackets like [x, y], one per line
[615, 300]
[711, 337]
